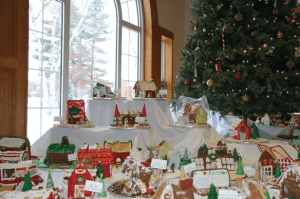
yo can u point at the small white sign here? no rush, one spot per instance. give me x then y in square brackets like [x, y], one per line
[58, 118]
[227, 194]
[140, 119]
[158, 164]
[117, 91]
[203, 179]
[163, 92]
[233, 133]
[72, 157]
[190, 167]
[93, 186]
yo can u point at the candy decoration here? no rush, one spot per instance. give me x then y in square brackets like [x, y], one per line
[238, 17]
[238, 76]
[218, 67]
[223, 37]
[210, 82]
[290, 64]
[187, 82]
[245, 98]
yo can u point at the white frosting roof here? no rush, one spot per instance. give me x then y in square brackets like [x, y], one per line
[144, 85]
[235, 124]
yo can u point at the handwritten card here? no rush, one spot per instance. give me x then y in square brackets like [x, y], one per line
[227, 194]
[93, 186]
[233, 133]
[190, 167]
[203, 179]
[158, 164]
[72, 157]
[140, 119]
[163, 92]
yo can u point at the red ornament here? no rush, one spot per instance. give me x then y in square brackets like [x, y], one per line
[193, 45]
[187, 82]
[149, 190]
[238, 76]
[218, 67]
[270, 161]
[288, 19]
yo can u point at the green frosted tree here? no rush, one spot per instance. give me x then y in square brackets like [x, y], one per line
[100, 171]
[185, 157]
[299, 155]
[277, 171]
[50, 184]
[240, 170]
[235, 155]
[103, 193]
[242, 56]
[27, 181]
[213, 194]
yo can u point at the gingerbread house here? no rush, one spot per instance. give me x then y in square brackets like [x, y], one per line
[76, 182]
[120, 149]
[146, 89]
[164, 149]
[197, 114]
[104, 91]
[266, 165]
[242, 129]
[75, 112]
[289, 182]
[294, 120]
[104, 155]
[169, 191]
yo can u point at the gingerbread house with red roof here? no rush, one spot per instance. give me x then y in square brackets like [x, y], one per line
[242, 128]
[104, 155]
[76, 182]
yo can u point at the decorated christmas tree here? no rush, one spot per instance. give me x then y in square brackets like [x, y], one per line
[213, 194]
[240, 170]
[27, 181]
[50, 184]
[103, 193]
[243, 56]
[277, 171]
[100, 171]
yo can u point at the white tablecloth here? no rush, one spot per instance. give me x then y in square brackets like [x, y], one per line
[101, 111]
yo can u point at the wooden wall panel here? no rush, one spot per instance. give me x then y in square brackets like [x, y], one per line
[13, 66]
[7, 27]
[7, 97]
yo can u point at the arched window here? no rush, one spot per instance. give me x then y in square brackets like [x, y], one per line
[75, 44]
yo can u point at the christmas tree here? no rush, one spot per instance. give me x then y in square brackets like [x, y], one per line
[212, 192]
[243, 56]
[103, 193]
[277, 171]
[185, 157]
[27, 181]
[235, 155]
[240, 170]
[100, 171]
[50, 184]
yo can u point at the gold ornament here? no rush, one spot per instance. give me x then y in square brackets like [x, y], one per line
[279, 34]
[245, 98]
[210, 82]
[290, 64]
[204, 30]
[219, 7]
[254, 32]
[238, 17]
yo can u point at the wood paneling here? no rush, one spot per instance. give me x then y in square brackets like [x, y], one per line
[13, 66]
[7, 27]
[152, 49]
[7, 97]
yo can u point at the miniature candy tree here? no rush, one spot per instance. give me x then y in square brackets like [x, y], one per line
[277, 171]
[50, 184]
[239, 170]
[100, 171]
[27, 181]
[185, 157]
[235, 155]
[103, 193]
[212, 192]
[299, 155]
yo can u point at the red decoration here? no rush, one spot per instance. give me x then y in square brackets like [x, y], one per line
[218, 67]
[144, 114]
[238, 76]
[242, 128]
[223, 36]
[79, 104]
[187, 82]
[117, 114]
[149, 190]
[288, 19]
[193, 45]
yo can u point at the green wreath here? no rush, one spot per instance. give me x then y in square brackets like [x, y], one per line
[243, 128]
[80, 179]
[205, 147]
[212, 156]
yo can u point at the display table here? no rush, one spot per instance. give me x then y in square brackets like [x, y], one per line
[101, 111]
[273, 130]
